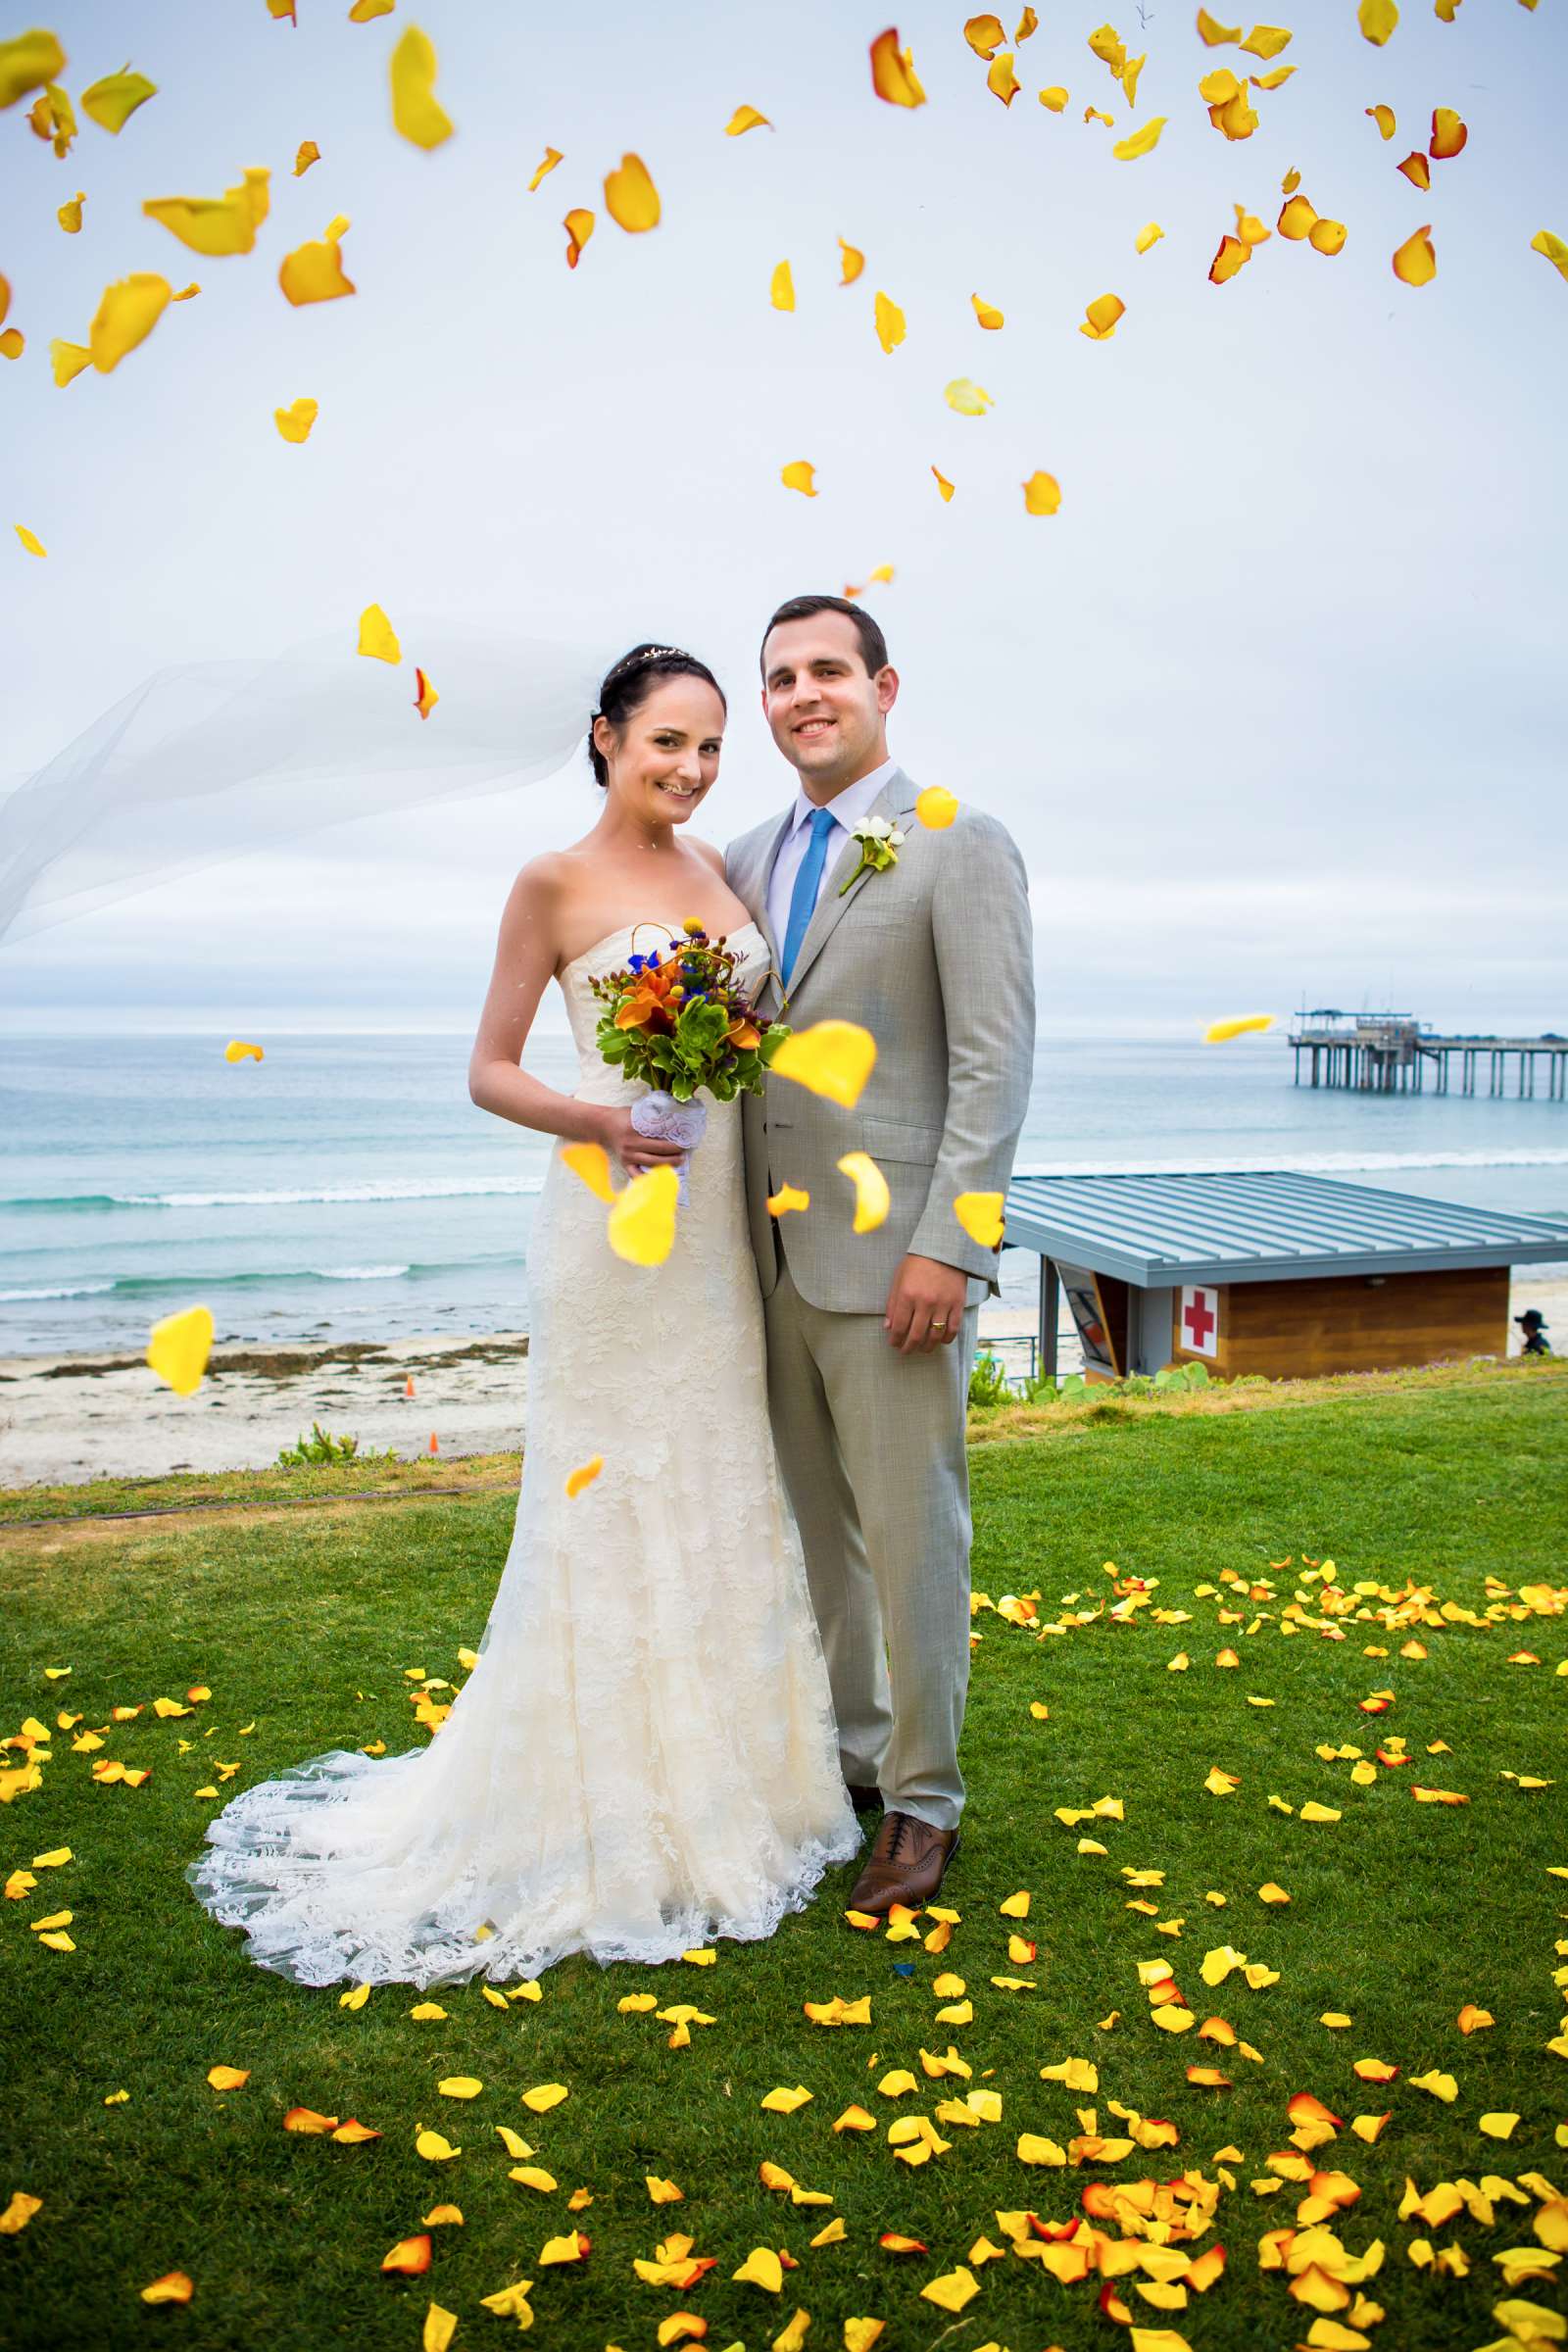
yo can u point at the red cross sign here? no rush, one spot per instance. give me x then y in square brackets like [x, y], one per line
[1200, 1321]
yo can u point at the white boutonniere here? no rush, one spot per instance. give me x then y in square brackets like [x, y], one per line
[880, 842]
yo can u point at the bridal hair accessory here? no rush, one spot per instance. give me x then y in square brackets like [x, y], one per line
[880, 842]
[680, 1022]
[208, 761]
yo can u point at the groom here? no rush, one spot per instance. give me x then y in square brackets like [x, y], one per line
[870, 1336]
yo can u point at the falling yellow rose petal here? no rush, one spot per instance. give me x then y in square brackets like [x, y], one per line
[307, 154]
[943, 484]
[1554, 247]
[1376, 20]
[295, 421]
[239, 1049]
[888, 323]
[1417, 171]
[832, 1059]
[984, 35]
[1295, 218]
[892, 74]
[1150, 234]
[852, 260]
[417, 116]
[377, 638]
[980, 1216]
[215, 225]
[111, 102]
[1212, 33]
[583, 1477]
[1001, 82]
[1100, 317]
[1326, 236]
[987, 313]
[744, 118]
[630, 197]
[1140, 142]
[782, 291]
[1042, 494]
[1093, 114]
[69, 213]
[799, 475]
[1217, 1032]
[789, 1198]
[542, 170]
[28, 63]
[1415, 264]
[125, 317]
[313, 272]
[936, 808]
[579, 228]
[872, 1198]
[642, 1223]
[1054, 98]
[173, 2287]
[364, 11]
[30, 540]
[590, 1162]
[178, 1347]
[968, 399]
[1266, 41]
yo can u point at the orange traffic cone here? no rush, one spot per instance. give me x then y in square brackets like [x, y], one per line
[435, 1447]
[408, 1386]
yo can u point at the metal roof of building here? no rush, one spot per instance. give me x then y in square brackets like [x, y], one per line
[1203, 1226]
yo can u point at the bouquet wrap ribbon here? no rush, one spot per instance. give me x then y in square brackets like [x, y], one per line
[657, 1113]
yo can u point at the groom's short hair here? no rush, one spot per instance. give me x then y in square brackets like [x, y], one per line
[873, 645]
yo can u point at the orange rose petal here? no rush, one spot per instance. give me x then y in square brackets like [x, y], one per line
[1295, 218]
[1100, 317]
[946, 487]
[409, 2257]
[1326, 236]
[425, 696]
[788, 1200]
[892, 74]
[12, 343]
[1448, 133]
[987, 313]
[1383, 117]
[583, 1477]
[1416, 170]
[1001, 82]
[173, 2288]
[1231, 255]
[579, 228]
[551, 158]
[1416, 263]
[984, 35]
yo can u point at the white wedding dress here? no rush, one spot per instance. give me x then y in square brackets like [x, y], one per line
[645, 1756]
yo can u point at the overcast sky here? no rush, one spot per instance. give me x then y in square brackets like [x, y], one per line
[1273, 705]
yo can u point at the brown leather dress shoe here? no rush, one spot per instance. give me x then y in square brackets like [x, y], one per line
[862, 1798]
[905, 1865]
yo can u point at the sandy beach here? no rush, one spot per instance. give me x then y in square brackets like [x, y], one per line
[68, 1418]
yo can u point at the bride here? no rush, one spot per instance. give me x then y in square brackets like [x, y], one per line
[645, 1756]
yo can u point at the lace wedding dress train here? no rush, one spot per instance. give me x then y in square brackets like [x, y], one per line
[645, 1756]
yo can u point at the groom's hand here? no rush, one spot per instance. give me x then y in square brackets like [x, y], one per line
[925, 1305]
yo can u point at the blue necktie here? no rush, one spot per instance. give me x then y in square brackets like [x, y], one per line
[803, 899]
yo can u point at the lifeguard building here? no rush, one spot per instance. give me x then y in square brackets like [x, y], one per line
[1277, 1273]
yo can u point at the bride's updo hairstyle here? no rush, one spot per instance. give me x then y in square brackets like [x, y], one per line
[629, 682]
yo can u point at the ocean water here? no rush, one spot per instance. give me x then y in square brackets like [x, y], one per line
[346, 1187]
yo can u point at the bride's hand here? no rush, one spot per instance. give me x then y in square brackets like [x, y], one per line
[637, 1154]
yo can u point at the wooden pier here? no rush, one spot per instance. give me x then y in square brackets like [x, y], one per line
[1391, 1053]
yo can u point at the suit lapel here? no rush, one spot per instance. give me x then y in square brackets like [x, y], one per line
[757, 895]
[894, 799]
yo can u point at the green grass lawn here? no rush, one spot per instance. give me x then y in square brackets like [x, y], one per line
[303, 1621]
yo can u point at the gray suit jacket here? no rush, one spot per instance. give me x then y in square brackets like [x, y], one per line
[934, 956]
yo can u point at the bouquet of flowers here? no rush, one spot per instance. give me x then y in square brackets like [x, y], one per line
[680, 1022]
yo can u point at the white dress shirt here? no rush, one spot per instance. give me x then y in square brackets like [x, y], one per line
[846, 809]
